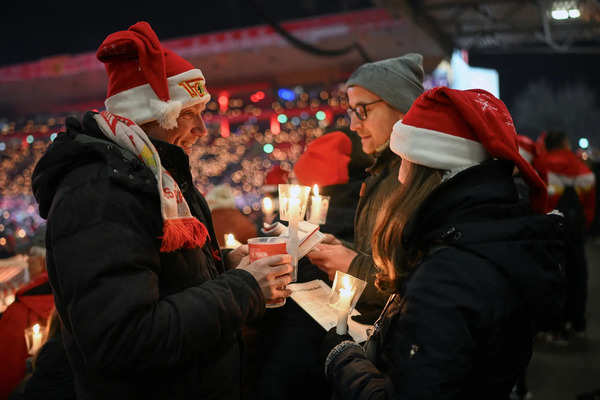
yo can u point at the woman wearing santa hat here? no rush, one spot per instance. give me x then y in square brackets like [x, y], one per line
[474, 271]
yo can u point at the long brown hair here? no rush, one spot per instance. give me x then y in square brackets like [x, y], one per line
[389, 255]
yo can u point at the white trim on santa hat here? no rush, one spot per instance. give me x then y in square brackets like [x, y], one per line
[140, 104]
[435, 149]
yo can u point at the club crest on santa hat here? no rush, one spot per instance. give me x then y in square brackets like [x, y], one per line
[146, 81]
[451, 129]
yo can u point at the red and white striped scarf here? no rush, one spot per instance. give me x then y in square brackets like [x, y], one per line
[180, 228]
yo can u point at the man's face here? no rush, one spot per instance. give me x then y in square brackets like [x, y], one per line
[376, 128]
[190, 127]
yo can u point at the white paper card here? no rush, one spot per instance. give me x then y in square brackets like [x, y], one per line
[313, 298]
[308, 235]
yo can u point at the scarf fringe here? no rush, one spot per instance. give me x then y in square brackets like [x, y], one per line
[183, 232]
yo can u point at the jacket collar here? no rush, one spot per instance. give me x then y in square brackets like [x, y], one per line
[383, 160]
[174, 159]
[474, 194]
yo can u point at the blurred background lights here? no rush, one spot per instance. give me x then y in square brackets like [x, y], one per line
[268, 148]
[320, 115]
[258, 96]
[29, 139]
[2, 146]
[562, 10]
[282, 118]
[286, 94]
[584, 143]
[53, 136]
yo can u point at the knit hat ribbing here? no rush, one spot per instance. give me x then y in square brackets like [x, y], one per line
[398, 81]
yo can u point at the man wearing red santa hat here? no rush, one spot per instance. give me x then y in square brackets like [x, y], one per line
[150, 306]
[572, 190]
[474, 271]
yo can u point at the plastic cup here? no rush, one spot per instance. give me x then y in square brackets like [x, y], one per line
[261, 247]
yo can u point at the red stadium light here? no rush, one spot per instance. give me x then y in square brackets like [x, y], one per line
[223, 101]
[225, 132]
[275, 127]
[258, 96]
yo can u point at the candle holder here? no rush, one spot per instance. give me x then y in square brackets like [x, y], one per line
[344, 295]
[317, 212]
[34, 338]
[293, 200]
[292, 208]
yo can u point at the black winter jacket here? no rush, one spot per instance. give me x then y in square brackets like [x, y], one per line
[137, 323]
[461, 327]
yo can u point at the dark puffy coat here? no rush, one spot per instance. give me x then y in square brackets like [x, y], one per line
[462, 325]
[137, 323]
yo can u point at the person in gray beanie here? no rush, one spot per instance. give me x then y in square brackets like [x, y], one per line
[379, 94]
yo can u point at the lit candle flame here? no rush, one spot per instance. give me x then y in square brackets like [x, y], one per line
[316, 190]
[346, 289]
[36, 329]
[230, 240]
[267, 205]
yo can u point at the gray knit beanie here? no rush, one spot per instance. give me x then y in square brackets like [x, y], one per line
[398, 81]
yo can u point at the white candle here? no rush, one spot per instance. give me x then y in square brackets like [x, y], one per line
[36, 342]
[343, 305]
[294, 202]
[315, 206]
[267, 209]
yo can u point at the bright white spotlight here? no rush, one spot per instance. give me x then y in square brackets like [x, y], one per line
[560, 14]
[574, 13]
[584, 143]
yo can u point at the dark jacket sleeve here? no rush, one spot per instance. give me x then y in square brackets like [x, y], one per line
[103, 242]
[427, 350]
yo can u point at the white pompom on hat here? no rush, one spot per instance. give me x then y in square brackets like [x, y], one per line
[146, 81]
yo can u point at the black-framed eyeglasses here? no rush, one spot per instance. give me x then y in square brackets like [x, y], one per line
[361, 109]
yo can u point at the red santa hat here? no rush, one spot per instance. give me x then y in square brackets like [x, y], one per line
[274, 177]
[147, 82]
[526, 147]
[450, 129]
[325, 161]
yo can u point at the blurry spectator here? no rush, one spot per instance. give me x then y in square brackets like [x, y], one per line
[52, 378]
[36, 260]
[336, 163]
[33, 304]
[526, 148]
[571, 190]
[226, 216]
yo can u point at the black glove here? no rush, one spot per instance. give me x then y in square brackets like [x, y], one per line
[331, 340]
